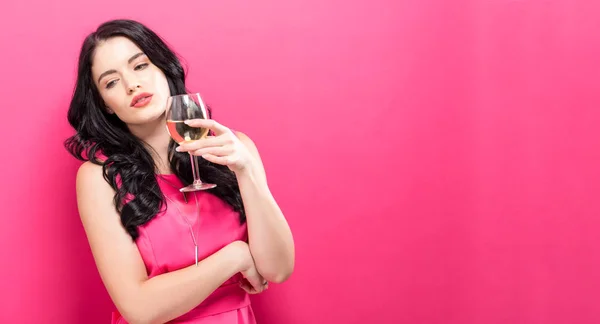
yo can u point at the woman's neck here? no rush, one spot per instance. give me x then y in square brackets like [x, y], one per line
[156, 136]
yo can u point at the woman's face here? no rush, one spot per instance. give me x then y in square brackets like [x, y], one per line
[131, 86]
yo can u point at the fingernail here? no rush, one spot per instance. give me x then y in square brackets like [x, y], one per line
[178, 149]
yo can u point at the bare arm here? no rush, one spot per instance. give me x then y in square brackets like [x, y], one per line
[139, 299]
[270, 238]
[269, 235]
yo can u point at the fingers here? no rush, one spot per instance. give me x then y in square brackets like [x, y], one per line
[252, 290]
[208, 123]
[248, 288]
[214, 150]
[205, 142]
[255, 280]
[222, 160]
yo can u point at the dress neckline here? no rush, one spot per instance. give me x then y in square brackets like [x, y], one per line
[165, 174]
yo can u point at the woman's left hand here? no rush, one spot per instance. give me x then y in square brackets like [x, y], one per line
[225, 148]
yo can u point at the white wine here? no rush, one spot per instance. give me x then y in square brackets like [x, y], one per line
[182, 107]
[182, 132]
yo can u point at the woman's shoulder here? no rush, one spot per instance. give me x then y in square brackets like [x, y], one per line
[94, 194]
[89, 172]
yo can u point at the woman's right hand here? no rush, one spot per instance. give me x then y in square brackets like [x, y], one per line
[253, 282]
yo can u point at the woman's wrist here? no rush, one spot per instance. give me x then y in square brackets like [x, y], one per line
[239, 252]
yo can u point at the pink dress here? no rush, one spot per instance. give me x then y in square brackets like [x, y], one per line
[166, 244]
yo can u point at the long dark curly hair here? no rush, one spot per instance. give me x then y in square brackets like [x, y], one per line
[127, 164]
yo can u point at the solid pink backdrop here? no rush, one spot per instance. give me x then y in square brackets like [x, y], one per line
[437, 160]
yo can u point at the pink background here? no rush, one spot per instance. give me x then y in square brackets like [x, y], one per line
[438, 161]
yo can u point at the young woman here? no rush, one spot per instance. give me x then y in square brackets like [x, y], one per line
[145, 235]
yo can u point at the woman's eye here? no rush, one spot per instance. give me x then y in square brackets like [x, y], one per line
[111, 84]
[141, 66]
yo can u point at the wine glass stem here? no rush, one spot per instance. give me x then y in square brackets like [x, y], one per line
[194, 160]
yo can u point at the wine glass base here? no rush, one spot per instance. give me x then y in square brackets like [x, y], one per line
[202, 186]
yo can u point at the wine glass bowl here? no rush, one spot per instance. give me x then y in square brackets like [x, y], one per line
[179, 109]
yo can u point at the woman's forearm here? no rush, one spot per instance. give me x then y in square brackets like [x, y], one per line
[270, 238]
[170, 295]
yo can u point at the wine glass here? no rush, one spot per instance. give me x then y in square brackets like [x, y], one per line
[179, 109]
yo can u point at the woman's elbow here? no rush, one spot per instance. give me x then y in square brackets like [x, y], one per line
[281, 275]
[138, 318]
[136, 313]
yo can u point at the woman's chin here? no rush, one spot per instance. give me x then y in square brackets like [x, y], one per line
[147, 116]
